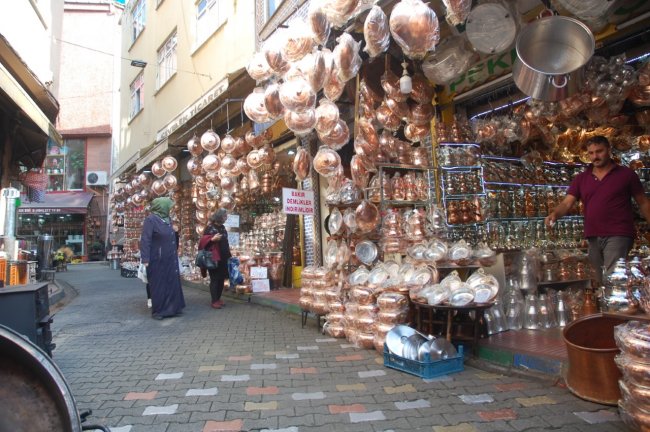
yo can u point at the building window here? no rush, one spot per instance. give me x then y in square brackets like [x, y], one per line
[66, 166]
[166, 61]
[271, 7]
[210, 15]
[138, 18]
[137, 95]
[75, 164]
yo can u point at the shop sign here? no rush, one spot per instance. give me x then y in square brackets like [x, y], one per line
[487, 70]
[295, 201]
[193, 109]
[259, 273]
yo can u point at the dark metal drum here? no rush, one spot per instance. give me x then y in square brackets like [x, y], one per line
[35, 396]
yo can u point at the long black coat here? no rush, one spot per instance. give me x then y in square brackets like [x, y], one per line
[222, 245]
[158, 245]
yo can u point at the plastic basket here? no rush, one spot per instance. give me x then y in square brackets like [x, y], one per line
[128, 273]
[424, 369]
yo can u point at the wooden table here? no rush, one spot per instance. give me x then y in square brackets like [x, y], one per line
[425, 321]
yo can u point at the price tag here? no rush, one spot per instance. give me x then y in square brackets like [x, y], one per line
[260, 285]
[259, 273]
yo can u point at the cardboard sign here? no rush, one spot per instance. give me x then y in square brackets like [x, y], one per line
[260, 285]
[259, 273]
[233, 239]
[296, 201]
[232, 221]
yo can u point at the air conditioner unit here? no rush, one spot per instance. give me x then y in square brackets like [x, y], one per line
[96, 178]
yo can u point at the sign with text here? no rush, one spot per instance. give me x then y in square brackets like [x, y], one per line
[232, 221]
[482, 72]
[233, 239]
[259, 273]
[260, 285]
[296, 201]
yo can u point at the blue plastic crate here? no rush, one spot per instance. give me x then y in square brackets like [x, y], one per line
[424, 369]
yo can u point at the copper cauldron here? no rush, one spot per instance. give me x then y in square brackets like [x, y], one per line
[35, 395]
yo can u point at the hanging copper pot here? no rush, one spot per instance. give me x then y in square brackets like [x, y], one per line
[422, 91]
[228, 162]
[327, 116]
[227, 184]
[212, 176]
[210, 141]
[200, 181]
[258, 68]
[272, 102]
[316, 70]
[367, 130]
[299, 41]
[301, 164]
[170, 182]
[158, 186]
[415, 28]
[337, 137]
[334, 86]
[327, 161]
[420, 114]
[144, 179]
[346, 57]
[254, 159]
[400, 109]
[169, 163]
[157, 170]
[367, 216]
[300, 123]
[359, 171]
[194, 166]
[386, 118]
[228, 144]
[194, 146]
[273, 54]
[201, 203]
[210, 163]
[297, 95]
[318, 23]
[415, 133]
[254, 106]
[227, 202]
[242, 166]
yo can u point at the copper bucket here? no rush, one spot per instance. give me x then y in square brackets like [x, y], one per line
[592, 373]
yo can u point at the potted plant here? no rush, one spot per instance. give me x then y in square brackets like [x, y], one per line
[96, 251]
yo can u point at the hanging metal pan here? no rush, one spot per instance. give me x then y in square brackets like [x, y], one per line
[551, 55]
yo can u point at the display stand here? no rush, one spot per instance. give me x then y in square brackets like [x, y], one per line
[439, 319]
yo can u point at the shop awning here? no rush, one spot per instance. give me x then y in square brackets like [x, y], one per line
[58, 203]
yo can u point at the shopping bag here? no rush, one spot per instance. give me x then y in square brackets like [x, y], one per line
[204, 260]
[142, 273]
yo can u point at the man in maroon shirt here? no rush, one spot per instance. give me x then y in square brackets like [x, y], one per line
[605, 189]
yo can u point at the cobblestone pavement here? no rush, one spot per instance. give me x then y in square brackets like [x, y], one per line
[247, 367]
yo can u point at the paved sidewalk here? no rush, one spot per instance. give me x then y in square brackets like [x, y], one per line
[248, 367]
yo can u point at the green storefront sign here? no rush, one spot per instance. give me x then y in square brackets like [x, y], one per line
[486, 70]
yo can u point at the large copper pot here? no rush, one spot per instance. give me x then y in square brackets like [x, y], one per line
[592, 373]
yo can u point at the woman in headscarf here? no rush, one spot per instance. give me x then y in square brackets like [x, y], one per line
[158, 246]
[215, 239]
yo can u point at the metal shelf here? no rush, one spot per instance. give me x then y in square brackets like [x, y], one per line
[507, 184]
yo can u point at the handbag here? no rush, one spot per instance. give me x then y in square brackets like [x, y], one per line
[204, 260]
[142, 273]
